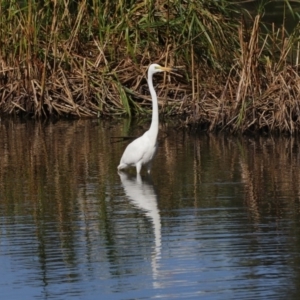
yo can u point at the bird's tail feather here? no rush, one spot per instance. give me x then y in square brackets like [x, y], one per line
[122, 166]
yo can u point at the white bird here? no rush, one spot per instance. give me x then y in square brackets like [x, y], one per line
[142, 150]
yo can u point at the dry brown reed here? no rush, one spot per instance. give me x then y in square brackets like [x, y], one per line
[90, 60]
[62, 58]
[261, 90]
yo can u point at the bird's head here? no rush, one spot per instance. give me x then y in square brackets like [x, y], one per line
[155, 68]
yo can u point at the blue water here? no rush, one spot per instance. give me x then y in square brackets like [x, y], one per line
[217, 219]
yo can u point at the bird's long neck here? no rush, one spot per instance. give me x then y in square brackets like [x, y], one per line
[153, 130]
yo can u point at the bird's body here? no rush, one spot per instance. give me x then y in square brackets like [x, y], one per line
[139, 153]
[142, 150]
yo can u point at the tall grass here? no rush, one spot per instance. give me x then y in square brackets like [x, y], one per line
[89, 58]
[65, 57]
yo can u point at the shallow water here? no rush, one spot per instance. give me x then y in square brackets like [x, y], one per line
[217, 219]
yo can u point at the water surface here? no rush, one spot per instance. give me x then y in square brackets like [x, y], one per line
[217, 219]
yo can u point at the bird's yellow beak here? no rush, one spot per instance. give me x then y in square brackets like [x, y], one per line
[167, 69]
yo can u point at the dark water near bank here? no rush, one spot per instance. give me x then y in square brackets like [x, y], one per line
[275, 13]
[218, 219]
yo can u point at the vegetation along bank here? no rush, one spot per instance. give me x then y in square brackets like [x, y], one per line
[89, 58]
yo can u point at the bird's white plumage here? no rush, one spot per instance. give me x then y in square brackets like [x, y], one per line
[142, 150]
[138, 153]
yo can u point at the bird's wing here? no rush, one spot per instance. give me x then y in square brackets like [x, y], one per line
[134, 151]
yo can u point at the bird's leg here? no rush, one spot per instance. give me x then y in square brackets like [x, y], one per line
[139, 178]
[138, 167]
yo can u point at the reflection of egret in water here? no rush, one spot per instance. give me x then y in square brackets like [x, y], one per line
[142, 194]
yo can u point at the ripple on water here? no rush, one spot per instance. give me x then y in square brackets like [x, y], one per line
[220, 221]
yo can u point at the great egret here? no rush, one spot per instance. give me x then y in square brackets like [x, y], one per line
[141, 151]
